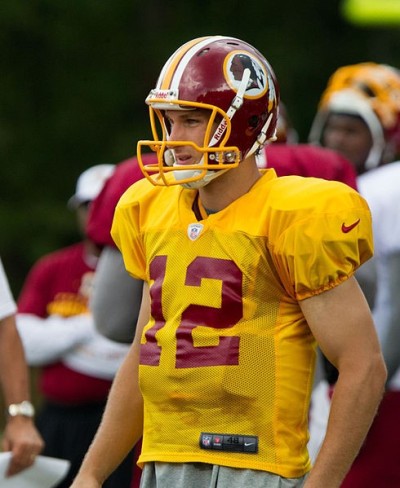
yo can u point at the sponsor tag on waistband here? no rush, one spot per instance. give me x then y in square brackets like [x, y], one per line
[229, 442]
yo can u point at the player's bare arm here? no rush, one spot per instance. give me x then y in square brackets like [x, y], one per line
[20, 435]
[121, 426]
[341, 322]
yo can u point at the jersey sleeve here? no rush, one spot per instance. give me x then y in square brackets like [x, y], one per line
[126, 233]
[7, 303]
[323, 248]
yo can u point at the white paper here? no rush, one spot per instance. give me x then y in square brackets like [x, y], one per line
[46, 472]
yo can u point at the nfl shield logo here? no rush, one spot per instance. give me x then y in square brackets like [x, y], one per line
[206, 440]
[194, 230]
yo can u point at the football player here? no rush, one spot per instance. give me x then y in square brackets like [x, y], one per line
[243, 273]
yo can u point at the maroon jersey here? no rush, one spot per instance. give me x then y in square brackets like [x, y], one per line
[102, 208]
[309, 160]
[60, 284]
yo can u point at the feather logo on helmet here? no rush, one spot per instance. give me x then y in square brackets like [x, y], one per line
[235, 64]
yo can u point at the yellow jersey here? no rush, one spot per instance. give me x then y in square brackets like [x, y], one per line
[227, 358]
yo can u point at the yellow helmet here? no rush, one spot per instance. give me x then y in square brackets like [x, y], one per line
[370, 91]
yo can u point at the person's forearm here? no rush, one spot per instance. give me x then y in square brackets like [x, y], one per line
[14, 375]
[119, 431]
[122, 423]
[46, 340]
[353, 408]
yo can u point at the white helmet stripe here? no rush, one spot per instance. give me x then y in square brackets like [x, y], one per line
[187, 57]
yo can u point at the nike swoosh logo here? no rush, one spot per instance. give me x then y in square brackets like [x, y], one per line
[348, 228]
[247, 444]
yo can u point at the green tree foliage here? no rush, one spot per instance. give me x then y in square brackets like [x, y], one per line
[74, 75]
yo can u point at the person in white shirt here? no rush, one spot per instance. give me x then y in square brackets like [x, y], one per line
[20, 435]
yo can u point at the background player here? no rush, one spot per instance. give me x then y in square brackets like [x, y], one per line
[56, 326]
[359, 115]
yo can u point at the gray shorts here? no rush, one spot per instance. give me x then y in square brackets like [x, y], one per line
[200, 475]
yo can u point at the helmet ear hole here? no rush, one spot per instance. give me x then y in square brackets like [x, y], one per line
[253, 121]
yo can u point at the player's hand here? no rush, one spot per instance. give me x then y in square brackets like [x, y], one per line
[24, 441]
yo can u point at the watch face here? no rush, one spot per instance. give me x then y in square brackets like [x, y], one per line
[25, 408]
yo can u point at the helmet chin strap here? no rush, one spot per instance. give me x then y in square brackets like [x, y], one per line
[262, 137]
[209, 176]
[181, 174]
[236, 103]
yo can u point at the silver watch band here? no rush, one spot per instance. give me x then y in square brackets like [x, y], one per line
[24, 408]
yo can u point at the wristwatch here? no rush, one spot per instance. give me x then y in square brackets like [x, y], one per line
[24, 408]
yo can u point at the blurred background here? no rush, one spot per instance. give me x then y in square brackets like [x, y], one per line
[74, 76]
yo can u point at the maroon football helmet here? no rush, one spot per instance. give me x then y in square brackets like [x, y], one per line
[236, 84]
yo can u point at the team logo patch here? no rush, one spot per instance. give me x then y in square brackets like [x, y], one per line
[194, 230]
[235, 64]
